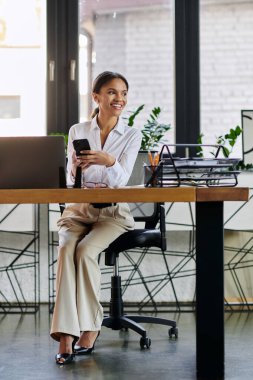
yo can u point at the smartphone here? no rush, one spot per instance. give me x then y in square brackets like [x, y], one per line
[81, 144]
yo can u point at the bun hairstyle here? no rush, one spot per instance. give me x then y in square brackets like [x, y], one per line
[101, 80]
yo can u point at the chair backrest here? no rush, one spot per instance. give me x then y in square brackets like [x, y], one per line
[145, 212]
[151, 214]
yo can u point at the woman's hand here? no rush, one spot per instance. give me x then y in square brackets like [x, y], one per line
[93, 157]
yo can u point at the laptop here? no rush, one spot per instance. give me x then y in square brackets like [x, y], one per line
[34, 162]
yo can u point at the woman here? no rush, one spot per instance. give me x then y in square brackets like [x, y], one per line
[85, 230]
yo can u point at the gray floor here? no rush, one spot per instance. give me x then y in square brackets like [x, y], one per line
[27, 351]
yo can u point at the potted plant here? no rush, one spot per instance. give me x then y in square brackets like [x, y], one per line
[228, 141]
[153, 135]
[153, 131]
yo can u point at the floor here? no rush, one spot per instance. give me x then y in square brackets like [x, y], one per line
[27, 352]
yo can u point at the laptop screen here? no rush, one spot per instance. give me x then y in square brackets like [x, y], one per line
[37, 162]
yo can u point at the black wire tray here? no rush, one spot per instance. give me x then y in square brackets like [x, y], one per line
[192, 171]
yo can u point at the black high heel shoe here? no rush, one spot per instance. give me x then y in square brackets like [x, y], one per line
[79, 350]
[68, 358]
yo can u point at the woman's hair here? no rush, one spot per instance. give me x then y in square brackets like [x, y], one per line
[101, 80]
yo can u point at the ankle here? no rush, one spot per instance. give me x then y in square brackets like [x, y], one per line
[66, 344]
[87, 339]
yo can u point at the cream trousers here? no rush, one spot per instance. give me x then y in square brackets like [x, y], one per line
[84, 232]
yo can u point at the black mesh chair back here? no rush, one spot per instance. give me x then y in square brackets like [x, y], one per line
[149, 236]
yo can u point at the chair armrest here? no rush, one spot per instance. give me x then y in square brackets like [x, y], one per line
[163, 227]
[62, 207]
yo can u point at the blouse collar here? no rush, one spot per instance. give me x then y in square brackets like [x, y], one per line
[119, 127]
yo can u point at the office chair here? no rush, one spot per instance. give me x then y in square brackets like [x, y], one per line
[143, 238]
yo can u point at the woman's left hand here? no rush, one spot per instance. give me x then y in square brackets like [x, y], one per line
[95, 157]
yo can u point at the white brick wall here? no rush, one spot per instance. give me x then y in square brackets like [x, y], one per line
[139, 44]
[226, 45]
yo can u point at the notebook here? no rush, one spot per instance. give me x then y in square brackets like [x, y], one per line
[37, 162]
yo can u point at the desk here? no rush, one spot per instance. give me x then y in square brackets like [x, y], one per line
[209, 250]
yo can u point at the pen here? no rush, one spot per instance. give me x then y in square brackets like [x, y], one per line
[150, 158]
[153, 160]
[156, 159]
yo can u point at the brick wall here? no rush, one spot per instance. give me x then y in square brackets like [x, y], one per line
[139, 44]
[226, 43]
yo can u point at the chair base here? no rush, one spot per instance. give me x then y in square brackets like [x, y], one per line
[117, 320]
[133, 322]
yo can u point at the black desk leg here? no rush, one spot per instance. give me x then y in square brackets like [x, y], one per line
[210, 290]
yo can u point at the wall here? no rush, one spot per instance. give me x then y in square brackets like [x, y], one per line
[226, 46]
[139, 43]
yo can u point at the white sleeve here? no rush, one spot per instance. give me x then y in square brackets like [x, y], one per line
[119, 174]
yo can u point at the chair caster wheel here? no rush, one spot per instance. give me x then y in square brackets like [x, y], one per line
[173, 331]
[145, 342]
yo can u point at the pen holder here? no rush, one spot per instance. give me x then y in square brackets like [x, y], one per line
[152, 178]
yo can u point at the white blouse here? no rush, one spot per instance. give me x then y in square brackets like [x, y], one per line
[123, 142]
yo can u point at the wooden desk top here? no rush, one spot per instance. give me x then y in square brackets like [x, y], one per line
[127, 194]
[211, 194]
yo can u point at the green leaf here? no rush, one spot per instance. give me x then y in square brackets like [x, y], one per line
[238, 130]
[152, 131]
[156, 111]
[134, 114]
[225, 151]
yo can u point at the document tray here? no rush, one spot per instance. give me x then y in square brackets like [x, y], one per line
[196, 171]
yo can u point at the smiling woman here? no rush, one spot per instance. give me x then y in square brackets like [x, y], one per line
[85, 230]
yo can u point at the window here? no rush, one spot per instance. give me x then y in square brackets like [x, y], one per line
[134, 38]
[9, 107]
[22, 67]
